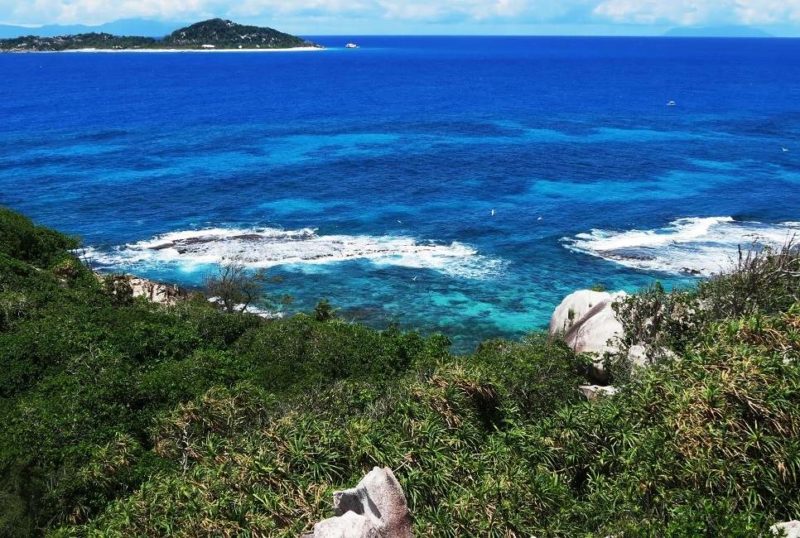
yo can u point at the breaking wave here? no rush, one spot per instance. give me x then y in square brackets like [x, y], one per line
[269, 247]
[688, 246]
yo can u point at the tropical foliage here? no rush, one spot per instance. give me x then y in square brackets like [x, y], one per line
[216, 33]
[227, 34]
[123, 418]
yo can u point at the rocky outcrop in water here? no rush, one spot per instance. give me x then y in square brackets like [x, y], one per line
[375, 508]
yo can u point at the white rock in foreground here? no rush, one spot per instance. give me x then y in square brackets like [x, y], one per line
[375, 508]
[592, 392]
[588, 324]
[790, 529]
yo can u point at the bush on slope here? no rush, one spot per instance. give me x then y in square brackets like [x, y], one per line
[708, 444]
[136, 419]
[83, 378]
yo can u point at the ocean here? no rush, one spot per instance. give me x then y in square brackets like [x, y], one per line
[460, 185]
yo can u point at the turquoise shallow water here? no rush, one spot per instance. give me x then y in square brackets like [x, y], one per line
[463, 185]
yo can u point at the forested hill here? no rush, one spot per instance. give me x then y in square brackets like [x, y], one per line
[214, 33]
[229, 35]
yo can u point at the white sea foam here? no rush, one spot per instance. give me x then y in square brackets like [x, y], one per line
[696, 246]
[269, 247]
[250, 309]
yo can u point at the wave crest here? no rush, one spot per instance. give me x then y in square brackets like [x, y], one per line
[269, 247]
[688, 246]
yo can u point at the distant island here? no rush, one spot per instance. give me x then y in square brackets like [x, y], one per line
[213, 34]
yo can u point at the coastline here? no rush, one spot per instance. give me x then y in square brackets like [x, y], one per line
[163, 51]
[156, 292]
[164, 293]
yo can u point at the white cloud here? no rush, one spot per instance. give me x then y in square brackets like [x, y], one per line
[654, 11]
[768, 11]
[699, 12]
[683, 12]
[470, 9]
[91, 11]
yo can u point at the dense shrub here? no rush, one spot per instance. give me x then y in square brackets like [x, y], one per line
[248, 471]
[22, 240]
[764, 281]
[706, 444]
[85, 372]
[303, 352]
[124, 418]
[709, 446]
[535, 375]
[659, 320]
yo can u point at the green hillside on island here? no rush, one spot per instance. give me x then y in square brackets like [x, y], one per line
[122, 417]
[210, 34]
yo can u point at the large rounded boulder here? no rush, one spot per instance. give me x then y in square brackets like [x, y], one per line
[587, 322]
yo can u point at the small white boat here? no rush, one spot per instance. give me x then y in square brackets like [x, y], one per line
[351, 46]
[671, 103]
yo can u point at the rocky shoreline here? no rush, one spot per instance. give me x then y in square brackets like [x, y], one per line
[171, 294]
[155, 292]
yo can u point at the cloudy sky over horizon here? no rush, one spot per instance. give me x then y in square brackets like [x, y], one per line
[424, 16]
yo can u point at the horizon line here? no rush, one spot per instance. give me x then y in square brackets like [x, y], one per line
[510, 35]
[654, 36]
[672, 32]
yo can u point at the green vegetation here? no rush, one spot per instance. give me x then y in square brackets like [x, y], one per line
[229, 35]
[235, 288]
[75, 42]
[220, 34]
[123, 418]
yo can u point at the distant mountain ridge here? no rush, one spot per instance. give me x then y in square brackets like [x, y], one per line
[139, 27]
[210, 34]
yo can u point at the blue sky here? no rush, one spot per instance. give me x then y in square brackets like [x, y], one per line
[310, 17]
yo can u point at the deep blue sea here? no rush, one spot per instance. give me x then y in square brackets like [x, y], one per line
[461, 185]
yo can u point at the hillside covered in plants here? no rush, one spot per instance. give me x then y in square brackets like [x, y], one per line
[213, 33]
[120, 417]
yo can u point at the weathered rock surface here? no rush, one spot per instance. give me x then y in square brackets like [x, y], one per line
[593, 392]
[790, 529]
[587, 321]
[638, 355]
[156, 292]
[589, 324]
[375, 508]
